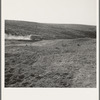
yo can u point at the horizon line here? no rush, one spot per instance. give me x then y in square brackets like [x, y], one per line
[48, 22]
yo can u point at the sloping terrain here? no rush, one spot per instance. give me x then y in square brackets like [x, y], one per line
[49, 31]
[65, 56]
[51, 63]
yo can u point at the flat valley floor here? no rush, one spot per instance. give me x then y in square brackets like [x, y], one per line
[61, 63]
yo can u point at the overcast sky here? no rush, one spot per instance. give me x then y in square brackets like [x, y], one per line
[52, 11]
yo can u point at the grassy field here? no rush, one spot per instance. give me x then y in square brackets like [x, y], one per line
[51, 63]
[66, 57]
[49, 31]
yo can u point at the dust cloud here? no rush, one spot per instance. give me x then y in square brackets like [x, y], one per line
[9, 37]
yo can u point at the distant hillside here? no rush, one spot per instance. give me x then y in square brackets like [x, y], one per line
[49, 31]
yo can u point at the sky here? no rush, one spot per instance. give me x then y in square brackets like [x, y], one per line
[52, 11]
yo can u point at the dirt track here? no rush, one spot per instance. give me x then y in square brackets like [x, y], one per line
[39, 43]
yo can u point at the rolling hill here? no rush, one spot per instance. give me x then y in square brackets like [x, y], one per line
[49, 31]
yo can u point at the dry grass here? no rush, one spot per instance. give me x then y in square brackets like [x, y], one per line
[51, 63]
[49, 31]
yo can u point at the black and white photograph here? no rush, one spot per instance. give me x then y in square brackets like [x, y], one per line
[50, 43]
